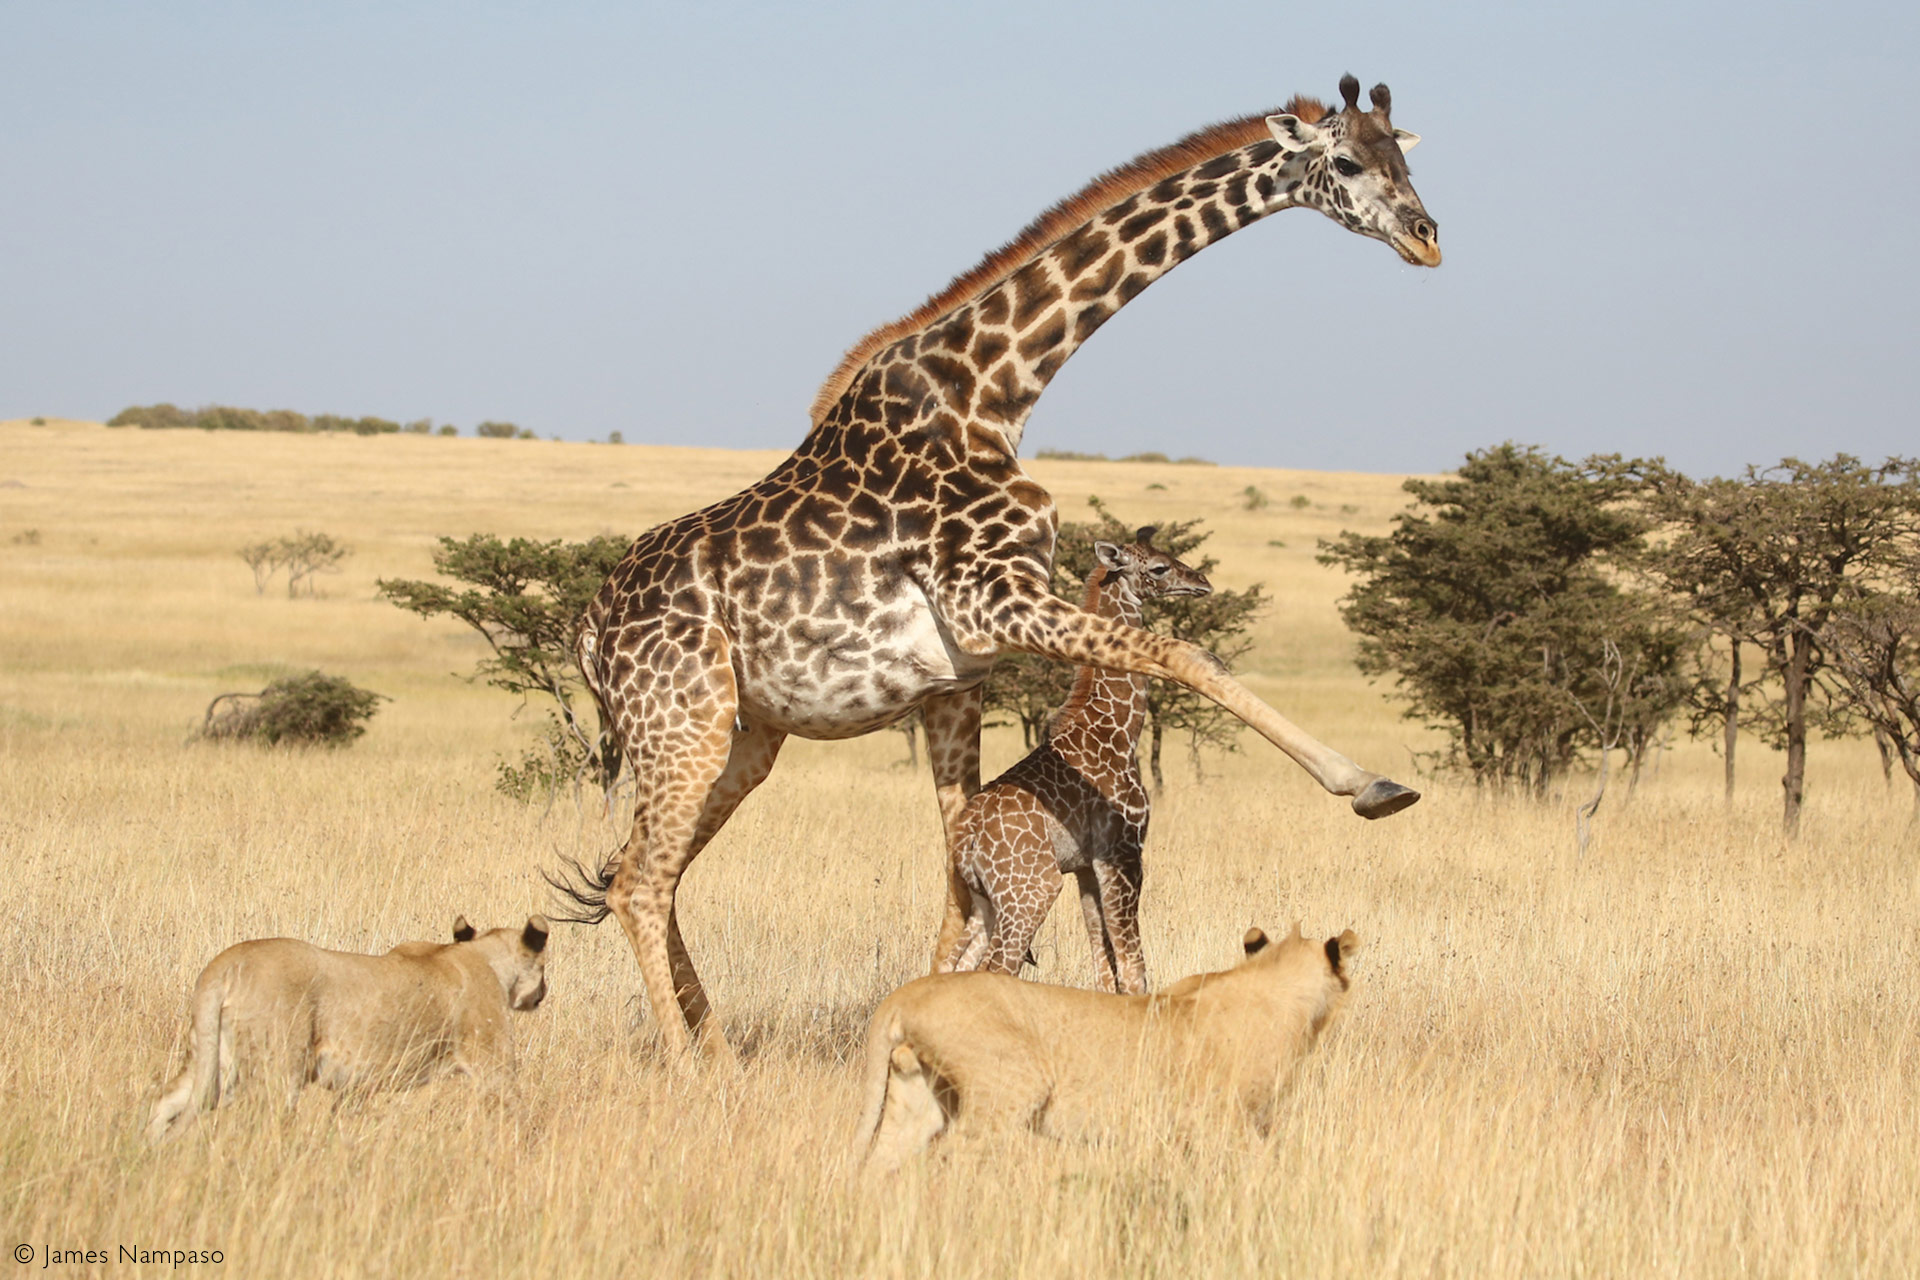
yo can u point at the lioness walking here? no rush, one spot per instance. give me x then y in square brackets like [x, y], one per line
[295, 1014]
[1002, 1053]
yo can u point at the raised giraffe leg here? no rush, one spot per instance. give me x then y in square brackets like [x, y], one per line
[1035, 621]
[953, 748]
[716, 761]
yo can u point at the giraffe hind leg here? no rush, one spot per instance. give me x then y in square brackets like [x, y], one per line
[1105, 968]
[716, 760]
[1021, 907]
[1119, 892]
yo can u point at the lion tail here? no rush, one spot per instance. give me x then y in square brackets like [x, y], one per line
[883, 1037]
[197, 1087]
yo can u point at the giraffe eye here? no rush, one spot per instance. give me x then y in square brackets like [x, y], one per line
[1158, 570]
[1345, 167]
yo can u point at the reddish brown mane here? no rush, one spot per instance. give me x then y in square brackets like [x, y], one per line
[1312, 110]
[1108, 189]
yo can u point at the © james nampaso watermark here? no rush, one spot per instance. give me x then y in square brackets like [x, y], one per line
[138, 1255]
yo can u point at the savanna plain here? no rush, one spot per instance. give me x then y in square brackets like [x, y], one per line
[1692, 1051]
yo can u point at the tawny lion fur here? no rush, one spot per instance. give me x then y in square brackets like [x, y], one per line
[293, 1014]
[994, 1052]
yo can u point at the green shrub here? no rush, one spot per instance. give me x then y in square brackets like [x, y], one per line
[313, 709]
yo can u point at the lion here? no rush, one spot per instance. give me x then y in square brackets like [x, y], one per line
[289, 1011]
[1002, 1053]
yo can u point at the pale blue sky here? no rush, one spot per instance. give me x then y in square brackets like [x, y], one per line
[1685, 229]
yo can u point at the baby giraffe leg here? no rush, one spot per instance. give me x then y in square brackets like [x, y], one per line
[1119, 882]
[1105, 968]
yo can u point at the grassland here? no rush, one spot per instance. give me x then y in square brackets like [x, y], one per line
[1694, 1051]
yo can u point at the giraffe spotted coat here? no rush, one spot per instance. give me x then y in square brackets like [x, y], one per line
[1075, 804]
[902, 547]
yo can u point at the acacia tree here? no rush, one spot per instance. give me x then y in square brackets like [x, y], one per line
[1873, 653]
[525, 598]
[1032, 689]
[1497, 604]
[1772, 559]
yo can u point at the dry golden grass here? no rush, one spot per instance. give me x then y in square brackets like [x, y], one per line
[1696, 1051]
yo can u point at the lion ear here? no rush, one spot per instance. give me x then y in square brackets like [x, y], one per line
[1338, 949]
[1254, 942]
[462, 931]
[534, 936]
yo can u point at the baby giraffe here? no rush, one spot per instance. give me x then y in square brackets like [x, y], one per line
[1074, 804]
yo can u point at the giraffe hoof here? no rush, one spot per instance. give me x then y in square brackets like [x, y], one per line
[1383, 797]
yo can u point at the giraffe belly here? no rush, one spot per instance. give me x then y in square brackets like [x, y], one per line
[839, 679]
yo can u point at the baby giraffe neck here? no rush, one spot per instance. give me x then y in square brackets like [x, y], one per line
[1101, 698]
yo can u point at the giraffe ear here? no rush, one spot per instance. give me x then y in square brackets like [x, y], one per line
[1108, 555]
[1407, 141]
[1294, 134]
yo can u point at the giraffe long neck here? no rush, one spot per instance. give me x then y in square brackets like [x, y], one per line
[1101, 698]
[991, 359]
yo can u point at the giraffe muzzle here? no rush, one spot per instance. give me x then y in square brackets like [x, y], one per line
[1419, 243]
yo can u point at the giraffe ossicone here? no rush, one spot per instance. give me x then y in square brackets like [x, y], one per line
[884, 566]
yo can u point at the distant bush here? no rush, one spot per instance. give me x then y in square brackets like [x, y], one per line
[496, 431]
[1299, 502]
[1069, 455]
[1151, 455]
[221, 417]
[313, 709]
[1252, 498]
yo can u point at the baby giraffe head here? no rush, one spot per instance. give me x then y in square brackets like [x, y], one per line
[1145, 572]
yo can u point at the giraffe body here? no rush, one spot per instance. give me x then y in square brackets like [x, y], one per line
[902, 547]
[1075, 804]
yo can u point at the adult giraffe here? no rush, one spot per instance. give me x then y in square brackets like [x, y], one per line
[885, 565]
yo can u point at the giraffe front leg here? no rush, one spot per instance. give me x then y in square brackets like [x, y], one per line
[1119, 892]
[953, 748]
[1106, 970]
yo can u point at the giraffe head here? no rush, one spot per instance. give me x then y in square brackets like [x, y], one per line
[1144, 572]
[1351, 165]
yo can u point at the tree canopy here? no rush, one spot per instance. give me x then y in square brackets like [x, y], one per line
[1498, 604]
[525, 598]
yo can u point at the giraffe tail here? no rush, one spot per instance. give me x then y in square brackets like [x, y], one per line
[584, 888]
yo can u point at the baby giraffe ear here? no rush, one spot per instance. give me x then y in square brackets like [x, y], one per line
[534, 936]
[462, 931]
[1254, 942]
[1108, 555]
[1296, 135]
[1407, 141]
